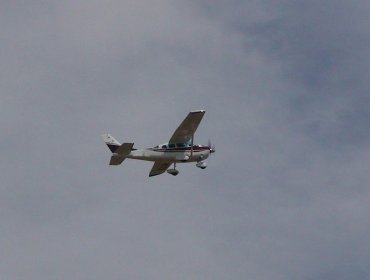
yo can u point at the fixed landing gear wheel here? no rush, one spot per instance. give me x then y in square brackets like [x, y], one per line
[173, 172]
[201, 164]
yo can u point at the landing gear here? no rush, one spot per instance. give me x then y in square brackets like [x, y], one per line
[173, 171]
[201, 164]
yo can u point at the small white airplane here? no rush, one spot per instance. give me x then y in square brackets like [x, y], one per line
[180, 148]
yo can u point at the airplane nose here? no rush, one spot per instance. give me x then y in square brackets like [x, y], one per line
[212, 149]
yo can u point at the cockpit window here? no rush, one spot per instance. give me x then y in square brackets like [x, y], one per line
[156, 147]
[171, 145]
[164, 146]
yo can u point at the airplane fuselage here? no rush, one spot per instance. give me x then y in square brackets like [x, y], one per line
[183, 154]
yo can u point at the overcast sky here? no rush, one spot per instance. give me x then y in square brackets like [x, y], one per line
[285, 85]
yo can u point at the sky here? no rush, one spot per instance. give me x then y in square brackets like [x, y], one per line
[285, 85]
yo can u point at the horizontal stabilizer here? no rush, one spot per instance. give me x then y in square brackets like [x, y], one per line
[121, 153]
[124, 149]
[116, 159]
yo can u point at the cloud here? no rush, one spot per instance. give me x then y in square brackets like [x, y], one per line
[285, 88]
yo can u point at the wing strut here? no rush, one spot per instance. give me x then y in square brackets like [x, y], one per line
[192, 141]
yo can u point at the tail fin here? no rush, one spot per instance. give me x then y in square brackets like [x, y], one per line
[119, 152]
[111, 142]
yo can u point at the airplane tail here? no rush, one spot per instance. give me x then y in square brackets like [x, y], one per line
[119, 152]
[111, 142]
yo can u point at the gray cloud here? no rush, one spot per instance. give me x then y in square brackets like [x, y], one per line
[286, 92]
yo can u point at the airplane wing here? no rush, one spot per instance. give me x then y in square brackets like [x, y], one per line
[187, 128]
[159, 167]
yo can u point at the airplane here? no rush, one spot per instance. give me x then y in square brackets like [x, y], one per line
[180, 148]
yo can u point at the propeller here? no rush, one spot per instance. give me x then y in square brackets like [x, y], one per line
[212, 149]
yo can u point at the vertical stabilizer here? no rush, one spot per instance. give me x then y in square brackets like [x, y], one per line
[111, 142]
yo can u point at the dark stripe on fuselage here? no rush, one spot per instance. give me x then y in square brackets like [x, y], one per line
[184, 149]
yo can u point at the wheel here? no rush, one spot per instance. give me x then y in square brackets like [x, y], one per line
[173, 172]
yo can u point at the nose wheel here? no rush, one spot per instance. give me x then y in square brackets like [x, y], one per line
[173, 171]
[201, 164]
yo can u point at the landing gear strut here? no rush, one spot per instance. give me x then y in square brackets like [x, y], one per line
[173, 171]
